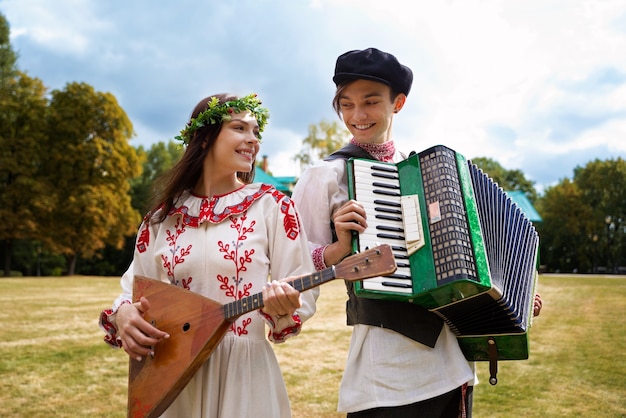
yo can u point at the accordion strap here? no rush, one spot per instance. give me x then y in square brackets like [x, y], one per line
[408, 319]
[349, 151]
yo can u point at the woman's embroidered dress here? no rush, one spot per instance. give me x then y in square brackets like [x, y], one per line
[222, 247]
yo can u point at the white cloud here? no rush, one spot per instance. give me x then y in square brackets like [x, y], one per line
[68, 27]
[539, 86]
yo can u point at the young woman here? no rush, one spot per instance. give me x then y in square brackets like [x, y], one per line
[214, 233]
[403, 360]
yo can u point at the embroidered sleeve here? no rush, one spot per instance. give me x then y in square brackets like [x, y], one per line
[109, 326]
[143, 250]
[290, 256]
[318, 258]
[107, 319]
[281, 327]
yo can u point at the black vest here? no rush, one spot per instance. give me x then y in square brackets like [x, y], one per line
[408, 319]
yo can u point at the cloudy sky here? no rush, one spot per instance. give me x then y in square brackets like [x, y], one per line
[537, 85]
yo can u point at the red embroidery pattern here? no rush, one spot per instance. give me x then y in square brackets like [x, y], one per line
[178, 254]
[282, 335]
[143, 240]
[244, 324]
[140, 408]
[240, 256]
[207, 208]
[290, 221]
[291, 226]
[110, 330]
[318, 258]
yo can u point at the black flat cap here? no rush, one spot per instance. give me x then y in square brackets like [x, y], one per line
[375, 65]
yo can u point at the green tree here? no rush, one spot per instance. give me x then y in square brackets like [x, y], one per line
[22, 131]
[112, 261]
[509, 180]
[8, 57]
[603, 186]
[89, 166]
[323, 139]
[567, 229]
[155, 162]
[583, 219]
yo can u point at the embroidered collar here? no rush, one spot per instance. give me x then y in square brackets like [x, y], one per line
[382, 152]
[195, 210]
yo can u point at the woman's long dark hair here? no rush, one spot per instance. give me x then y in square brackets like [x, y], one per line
[185, 173]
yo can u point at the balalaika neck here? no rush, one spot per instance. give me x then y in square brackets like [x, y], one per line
[237, 308]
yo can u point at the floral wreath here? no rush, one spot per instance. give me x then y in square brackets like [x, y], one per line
[218, 113]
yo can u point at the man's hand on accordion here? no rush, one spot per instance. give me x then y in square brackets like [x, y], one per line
[537, 305]
[347, 219]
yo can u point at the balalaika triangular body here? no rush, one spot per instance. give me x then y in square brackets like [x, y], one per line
[196, 325]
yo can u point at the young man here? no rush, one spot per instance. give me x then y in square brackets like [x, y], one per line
[403, 360]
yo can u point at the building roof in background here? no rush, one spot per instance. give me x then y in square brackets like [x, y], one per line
[261, 176]
[287, 179]
[520, 199]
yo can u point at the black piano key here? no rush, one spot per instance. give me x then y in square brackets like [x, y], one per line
[386, 210]
[389, 236]
[389, 228]
[388, 218]
[386, 185]
[385, 192]
[387, 203]
[385, 176]
[399, 275]
[386, 168]
[394, 284]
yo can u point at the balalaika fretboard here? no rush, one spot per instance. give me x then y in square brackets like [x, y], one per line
[463, 248]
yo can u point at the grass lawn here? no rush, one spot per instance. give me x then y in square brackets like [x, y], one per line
[53, 361]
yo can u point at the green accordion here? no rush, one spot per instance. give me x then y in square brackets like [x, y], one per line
[464, 249]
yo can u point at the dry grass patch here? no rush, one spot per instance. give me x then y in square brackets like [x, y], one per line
[577, 364]
[52, 358]
[53, 361]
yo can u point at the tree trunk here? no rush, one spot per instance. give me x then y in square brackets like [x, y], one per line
[8, 248]
[71, 264]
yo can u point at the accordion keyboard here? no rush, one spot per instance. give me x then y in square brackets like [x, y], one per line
[391, 218]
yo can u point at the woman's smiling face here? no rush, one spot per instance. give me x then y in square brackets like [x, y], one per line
[237, 145]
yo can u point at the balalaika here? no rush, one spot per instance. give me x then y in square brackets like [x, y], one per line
[464, 249]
